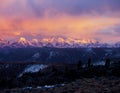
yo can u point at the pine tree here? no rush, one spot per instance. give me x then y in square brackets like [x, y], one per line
[79, 65]
[89, 63]
[107, 63]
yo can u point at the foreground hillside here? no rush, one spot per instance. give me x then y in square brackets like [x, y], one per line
[60, 78]
[86, 85]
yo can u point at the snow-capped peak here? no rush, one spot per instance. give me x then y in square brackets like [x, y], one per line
[36, 55]
[34, 41]
[22, 40]
[59, 42]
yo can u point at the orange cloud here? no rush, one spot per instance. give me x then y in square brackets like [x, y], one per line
[67, 26]
[67, 18]
[71, 26]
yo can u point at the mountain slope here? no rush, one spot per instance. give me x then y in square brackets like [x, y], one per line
[67, 55]
[57, 42]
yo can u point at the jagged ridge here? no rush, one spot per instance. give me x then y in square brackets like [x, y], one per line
[57, 42]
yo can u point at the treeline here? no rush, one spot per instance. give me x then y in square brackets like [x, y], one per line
[60, 74]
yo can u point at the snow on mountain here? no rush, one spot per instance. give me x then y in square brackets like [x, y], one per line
[58, 42]
[53, 54]
[22, 42]
[36, 43]
[99, 63]
[4, 43]
[33, 69]
[36, 55]
[108, 52]
[89, 52]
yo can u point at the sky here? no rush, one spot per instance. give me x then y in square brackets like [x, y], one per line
[79, 19]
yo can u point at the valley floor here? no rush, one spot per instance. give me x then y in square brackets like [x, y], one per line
[84, 85]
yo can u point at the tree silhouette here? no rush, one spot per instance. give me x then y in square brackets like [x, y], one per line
[79, 64]
[89, 62]
[107, 63]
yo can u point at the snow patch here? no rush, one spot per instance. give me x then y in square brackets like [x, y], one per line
[49, 86]
[36, 55]
[7, 66]
[108, 52]
[27, 88]
[53, 54]
[99, 63]
[33, 69]
[89, 52]
[39, 87]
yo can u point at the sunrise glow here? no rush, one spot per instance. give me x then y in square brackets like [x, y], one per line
[78, 19]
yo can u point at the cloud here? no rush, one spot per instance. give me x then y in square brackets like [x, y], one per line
[112, 30]
[69, 18]
[71, 7]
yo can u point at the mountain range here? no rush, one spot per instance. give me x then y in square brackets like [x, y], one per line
[58, 55]
[56, 42]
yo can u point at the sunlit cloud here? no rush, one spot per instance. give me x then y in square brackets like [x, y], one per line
[93, 19]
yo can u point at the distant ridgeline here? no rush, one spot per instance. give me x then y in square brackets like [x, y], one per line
[56, 42]
[65, 55]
